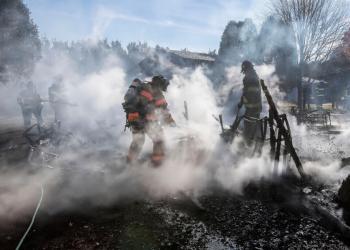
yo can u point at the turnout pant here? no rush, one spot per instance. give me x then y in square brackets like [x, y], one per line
[155, 133]
[27, 116]
[250, 127]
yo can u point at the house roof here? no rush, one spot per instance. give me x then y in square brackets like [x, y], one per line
[193, 55]
[309, 80]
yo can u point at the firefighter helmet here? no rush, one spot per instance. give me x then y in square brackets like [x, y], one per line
[160, 82]
[246, 65]
[136, 80]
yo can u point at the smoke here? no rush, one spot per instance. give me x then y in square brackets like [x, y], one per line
[102, 21]
[231, 92]
[91, 167]
[320, 151]
[238, 175]
[195, 89]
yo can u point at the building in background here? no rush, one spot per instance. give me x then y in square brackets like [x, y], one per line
[165, 61]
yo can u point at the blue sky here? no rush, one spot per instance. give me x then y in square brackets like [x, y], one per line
[192, 24]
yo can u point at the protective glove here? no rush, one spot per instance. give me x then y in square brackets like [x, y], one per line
[173, 124]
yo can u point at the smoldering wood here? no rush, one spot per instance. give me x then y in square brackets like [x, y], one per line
[283, 128]
[280, 139]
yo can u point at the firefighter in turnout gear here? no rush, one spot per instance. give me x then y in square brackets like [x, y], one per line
[146, 111]
[57, 98]
[31, 104]
[251, 99]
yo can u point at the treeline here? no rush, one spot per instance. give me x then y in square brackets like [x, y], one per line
[88, 55]
[19, 39]
[273, 44]
[21, 48]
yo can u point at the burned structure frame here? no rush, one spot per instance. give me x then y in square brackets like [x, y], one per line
[279, 131]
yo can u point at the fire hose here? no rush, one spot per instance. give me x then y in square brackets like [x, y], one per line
[33, 218]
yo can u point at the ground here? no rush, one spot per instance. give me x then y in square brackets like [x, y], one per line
[266, 217]
[227, 223]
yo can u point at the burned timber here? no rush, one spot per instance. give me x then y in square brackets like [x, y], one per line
[283, 212]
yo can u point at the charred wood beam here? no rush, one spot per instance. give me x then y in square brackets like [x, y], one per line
[274, 116]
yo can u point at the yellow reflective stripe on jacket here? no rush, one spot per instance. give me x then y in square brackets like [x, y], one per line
[252, 89]
[252, 105]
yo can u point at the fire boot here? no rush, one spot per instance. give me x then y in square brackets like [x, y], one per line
[158, 153]
[138, 139]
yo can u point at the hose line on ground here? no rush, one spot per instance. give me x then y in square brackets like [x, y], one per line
[33, 218]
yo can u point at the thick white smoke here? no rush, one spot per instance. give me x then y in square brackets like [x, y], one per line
[95, 170]
[196, 90]
[320, 151]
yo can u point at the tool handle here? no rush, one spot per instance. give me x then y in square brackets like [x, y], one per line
[221, 123]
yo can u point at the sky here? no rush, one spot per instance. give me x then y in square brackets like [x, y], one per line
[193, 24]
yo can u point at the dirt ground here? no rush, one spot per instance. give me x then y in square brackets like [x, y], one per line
[227, 223]
[266, 217]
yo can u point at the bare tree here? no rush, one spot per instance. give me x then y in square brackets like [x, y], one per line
[318, 27]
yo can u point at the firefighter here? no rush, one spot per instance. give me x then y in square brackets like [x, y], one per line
[31, 104]
[57, 98]
[146, 110]
[251, 99]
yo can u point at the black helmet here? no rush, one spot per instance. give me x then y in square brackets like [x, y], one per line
[246, 65]
[160, 82]
[136, 80]
[136, 83]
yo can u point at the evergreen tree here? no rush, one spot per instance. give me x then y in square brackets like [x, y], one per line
[19, 39]
[138, 51]
[276, 44]
[237, 42]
